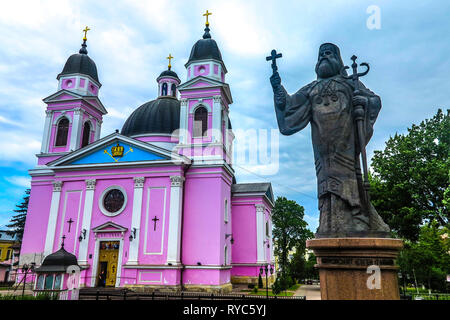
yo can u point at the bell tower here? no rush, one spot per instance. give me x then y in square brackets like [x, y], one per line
[74, 113]
[205, 128]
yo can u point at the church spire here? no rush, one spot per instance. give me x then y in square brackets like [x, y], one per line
[206, 35]
[169, 58]
[83, 49]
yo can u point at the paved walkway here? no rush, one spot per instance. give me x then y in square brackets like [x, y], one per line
[311, 291]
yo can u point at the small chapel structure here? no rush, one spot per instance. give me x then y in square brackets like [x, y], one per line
[157, 204]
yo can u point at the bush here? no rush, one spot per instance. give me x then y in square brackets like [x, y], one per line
[260, 282]
[251, 285]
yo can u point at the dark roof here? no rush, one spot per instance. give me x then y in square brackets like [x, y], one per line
[58, 261]
[205, 48]
[157, 116]
[5, 236]
[168, 73]
[264, 187]
[80, 63]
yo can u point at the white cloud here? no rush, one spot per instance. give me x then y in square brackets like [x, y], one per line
[19, 181]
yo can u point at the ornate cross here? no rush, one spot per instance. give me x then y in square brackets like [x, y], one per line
[85, 32]
[154, 225]
[70, 221]
[206, 15]
[170, 58]
[274, 56]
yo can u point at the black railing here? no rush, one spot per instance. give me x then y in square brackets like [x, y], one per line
[126, 294]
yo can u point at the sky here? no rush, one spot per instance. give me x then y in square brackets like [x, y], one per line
[407, 46]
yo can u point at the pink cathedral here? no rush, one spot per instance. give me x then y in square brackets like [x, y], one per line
[156, 205]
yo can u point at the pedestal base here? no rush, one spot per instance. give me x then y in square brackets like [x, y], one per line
[357, 268]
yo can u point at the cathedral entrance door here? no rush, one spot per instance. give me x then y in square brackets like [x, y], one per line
[107, 264]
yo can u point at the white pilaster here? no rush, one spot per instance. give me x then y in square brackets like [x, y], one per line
[98, 129]
[86, 224]
[260, 233]
[272, 258]
[47, 131]
[53, 217]
[136, 219]
[183, 137]
[175, 215]
[76, 129]
[217, 119]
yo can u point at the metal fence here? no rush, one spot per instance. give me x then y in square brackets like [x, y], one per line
[126, 294]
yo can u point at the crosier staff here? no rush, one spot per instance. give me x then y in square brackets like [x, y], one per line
[359, 113]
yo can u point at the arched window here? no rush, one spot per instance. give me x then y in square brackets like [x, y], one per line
[86, 134]
[200, 122]
[62, 132]
[164, 89]
[174, 90]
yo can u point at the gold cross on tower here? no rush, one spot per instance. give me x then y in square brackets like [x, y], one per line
[206, 15]
[170, 58]
[85, 32]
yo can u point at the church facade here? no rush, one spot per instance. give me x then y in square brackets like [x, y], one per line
[157, 204]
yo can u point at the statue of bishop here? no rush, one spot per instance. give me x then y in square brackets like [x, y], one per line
[328, 105]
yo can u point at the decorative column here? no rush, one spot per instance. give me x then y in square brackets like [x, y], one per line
[175, 215]
[136, 219]
[260, 233]
[76, 128]
[53, 217]
[217, 119]
[86, 224]
[47, 131]
[183, 137]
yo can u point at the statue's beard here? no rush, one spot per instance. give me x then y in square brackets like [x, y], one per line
[326, 68]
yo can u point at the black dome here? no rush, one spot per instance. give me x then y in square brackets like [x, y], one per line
[168, 73]
[157, 116]
[58, 261]
[205, 48]
[80, 63]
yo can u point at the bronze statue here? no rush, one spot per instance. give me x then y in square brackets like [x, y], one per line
[342, 112]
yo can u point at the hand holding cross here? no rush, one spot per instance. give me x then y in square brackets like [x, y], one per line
[274, 56]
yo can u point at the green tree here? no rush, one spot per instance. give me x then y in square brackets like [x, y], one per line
[427, 260]
[297, 266]
[311, 272]
[17, 222]
[290, 230]
[411, 175]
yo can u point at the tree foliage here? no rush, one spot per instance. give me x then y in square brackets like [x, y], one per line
[428, 259]
[410, 179]
[17, 222]
[290, 230]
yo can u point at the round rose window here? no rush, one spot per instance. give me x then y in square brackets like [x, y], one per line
[113, 200]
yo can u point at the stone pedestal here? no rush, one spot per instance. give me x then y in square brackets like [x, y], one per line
[357, 268]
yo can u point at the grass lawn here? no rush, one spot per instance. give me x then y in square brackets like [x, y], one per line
[263, 293]
[294, 287]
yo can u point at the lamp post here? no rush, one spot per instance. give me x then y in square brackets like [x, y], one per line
[25, 269]
[265, 269]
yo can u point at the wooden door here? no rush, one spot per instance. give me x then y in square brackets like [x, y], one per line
[108, 255]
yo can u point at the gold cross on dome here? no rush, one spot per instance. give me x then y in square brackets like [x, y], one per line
[85, 32]
[206, 15]
[170, 58]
